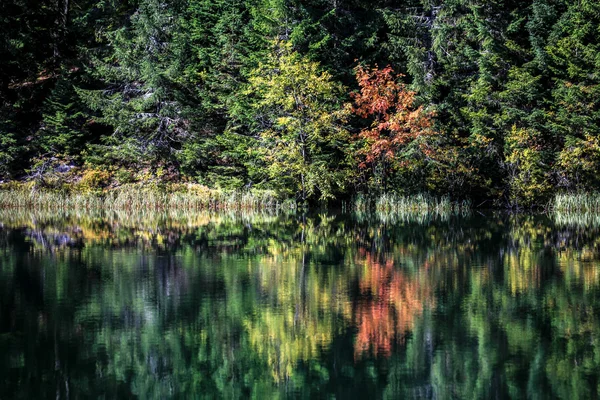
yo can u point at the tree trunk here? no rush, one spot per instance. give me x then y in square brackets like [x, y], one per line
[62, 20]
[303, 152]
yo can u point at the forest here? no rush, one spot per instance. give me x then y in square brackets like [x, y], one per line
[491, 101]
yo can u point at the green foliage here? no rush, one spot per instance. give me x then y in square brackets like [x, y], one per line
[528, 169]
[9, 150]
[65, 128]
[579, 162]
[143, 85]
[140, 99]
[300, 125]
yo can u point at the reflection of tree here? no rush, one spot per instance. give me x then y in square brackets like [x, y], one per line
[527, 320]
[391, 302]
[303, 306]
[267, 306]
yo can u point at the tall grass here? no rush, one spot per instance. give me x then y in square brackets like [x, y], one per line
[578, 202]
[422, 203]
[137, 197]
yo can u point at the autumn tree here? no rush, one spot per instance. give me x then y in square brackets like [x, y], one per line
[398, 128]
[527, 166]
[298, 119]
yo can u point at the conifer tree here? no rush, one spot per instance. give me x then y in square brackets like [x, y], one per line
[140, 97]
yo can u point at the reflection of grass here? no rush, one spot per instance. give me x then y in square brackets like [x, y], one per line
[421, 217]
[58, 229]
[419, 208]
[577, 202]
[137, 219]
[576, 219]
[186, 197]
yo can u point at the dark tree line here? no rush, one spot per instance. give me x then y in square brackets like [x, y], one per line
[213, 91]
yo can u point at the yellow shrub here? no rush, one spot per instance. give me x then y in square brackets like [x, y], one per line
[94, 179]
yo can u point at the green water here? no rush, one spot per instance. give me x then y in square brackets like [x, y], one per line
[326, 306]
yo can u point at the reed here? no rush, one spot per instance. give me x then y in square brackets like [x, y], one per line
[138, 197]
[576, 202]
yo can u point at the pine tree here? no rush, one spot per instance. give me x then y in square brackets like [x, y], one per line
[223, 41]
[140, 97]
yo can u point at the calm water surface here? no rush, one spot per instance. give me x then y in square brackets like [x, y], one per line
[325, 306]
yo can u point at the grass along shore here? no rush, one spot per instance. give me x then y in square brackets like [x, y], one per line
[198, 197]
[576, 202]
[190, 197]
[136, 196]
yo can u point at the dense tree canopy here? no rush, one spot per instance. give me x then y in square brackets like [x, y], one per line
[499, 99]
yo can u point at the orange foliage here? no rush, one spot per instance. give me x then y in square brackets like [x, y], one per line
[393, 302]
[396, 122]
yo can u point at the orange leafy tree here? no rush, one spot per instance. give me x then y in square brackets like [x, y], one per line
[393, 301]
[397, 125]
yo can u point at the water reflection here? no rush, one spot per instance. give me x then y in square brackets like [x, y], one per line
[391, 301]
[264, 305]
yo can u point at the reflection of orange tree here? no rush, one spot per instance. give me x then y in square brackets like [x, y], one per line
[392, 302]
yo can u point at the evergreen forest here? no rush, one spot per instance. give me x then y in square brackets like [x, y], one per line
[492, 101]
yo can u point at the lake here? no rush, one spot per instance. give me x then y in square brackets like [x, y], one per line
[329, 305]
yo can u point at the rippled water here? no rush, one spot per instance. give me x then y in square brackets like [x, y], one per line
[323, 306]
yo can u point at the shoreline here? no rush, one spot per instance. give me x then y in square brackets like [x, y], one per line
[192, 196]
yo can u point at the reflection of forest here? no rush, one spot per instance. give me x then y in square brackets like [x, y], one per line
[233, 305]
